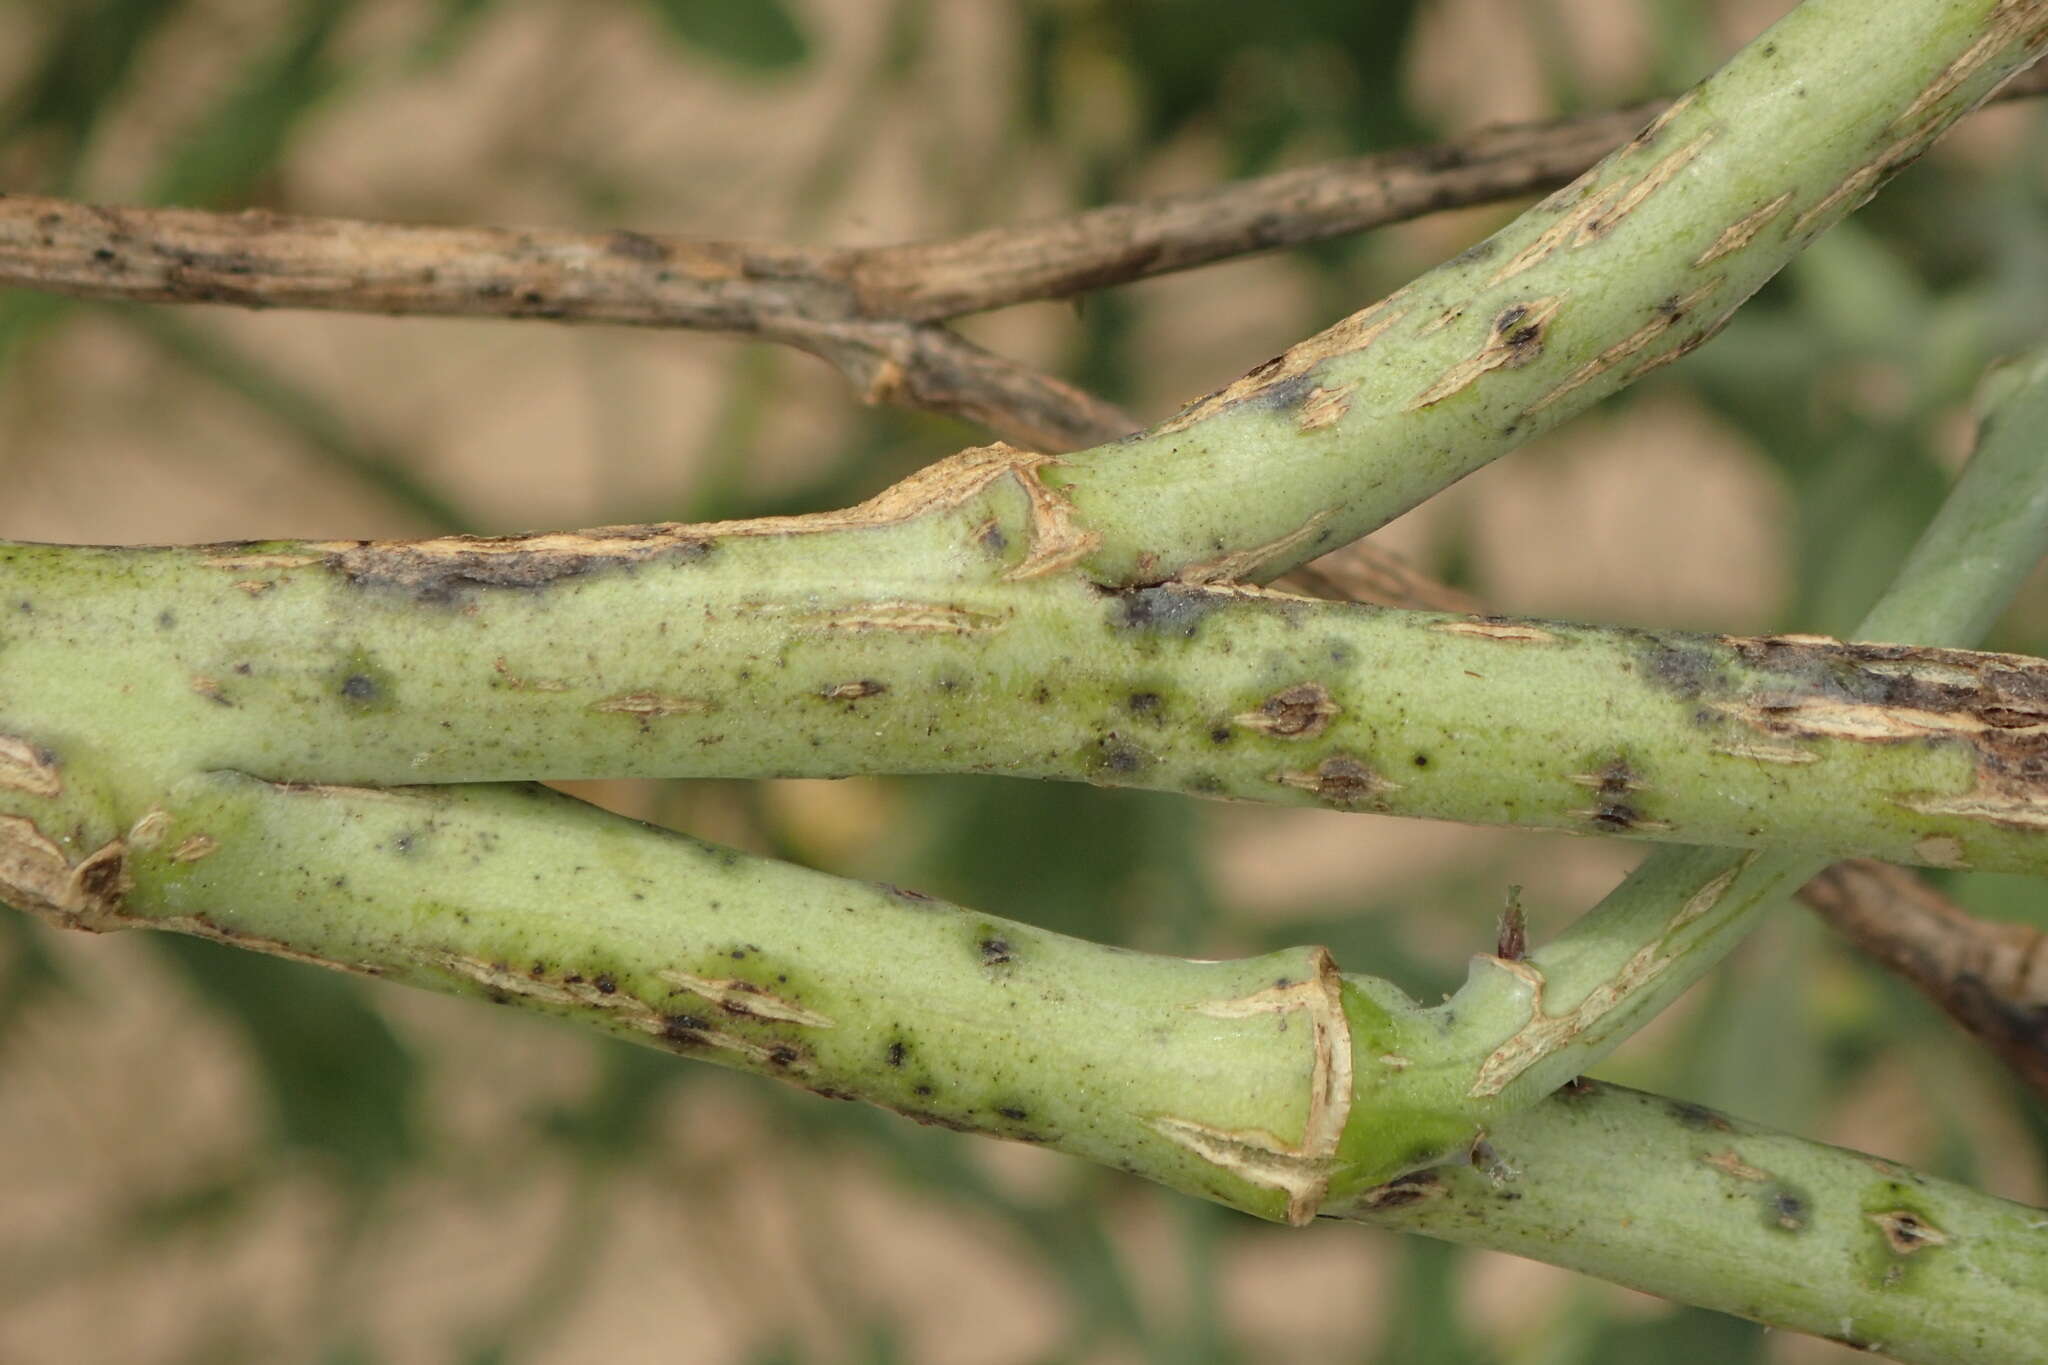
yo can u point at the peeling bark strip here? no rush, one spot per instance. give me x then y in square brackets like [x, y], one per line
[450, 569]
[1996, 704]
[744, 998]
[1300, 1169]
[1546, 1033]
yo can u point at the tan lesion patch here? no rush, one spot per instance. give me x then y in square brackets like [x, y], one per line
[1734, 1167]
[591, 995]
[744, 998]
[1325, 406]
[37, 876]
[1767, 753]
[1515, 338]
[1743, 230]
[194, 848]
[1665, 317]
[1301, 1170]
[1852, 193]
[149, 828]
[1940, 850]
[1233, 567]
[652, 705]
[1597, 212]
[2014, 27]
[2021, 810]
[1906, 1232]
[1348, 337]
[30, 768]
[521, 684]
[1506, 632]
[911, 618]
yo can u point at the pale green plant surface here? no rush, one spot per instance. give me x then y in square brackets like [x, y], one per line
[917, 636]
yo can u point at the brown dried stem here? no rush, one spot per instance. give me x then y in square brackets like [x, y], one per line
[873, 311]
[1991, 978]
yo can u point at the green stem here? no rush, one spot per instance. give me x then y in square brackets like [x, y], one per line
[1681, 1201]
[1552, 1017]
[1230, 1080]
[1628, 268]
[814, 647]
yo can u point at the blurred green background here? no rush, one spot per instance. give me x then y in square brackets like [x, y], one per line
[207, 1156]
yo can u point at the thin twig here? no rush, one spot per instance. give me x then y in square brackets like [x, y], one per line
[830, 301]
[1991, 978]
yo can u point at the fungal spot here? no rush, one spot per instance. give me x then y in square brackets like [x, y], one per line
[684, 1028]
[1906, 1232]
[360, 685]
[1341, 780]
[1145, 704]
[1422, 760]
[1299, 712]
[1698, 1117]
[1220, 734]
[1515, 339]
[1685, 666]
[1405, 1190]
[1787, 1209]
[1168, 609]
[1613, 787]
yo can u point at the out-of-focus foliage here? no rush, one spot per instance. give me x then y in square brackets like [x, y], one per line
[549, 1193]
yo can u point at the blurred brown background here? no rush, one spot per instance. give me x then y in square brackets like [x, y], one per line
[206, 1157]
